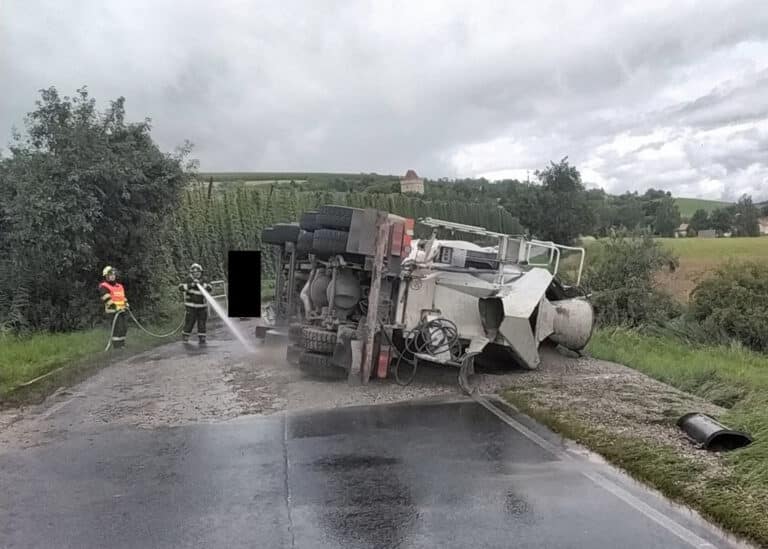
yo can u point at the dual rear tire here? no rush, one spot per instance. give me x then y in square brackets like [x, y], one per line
[311, 349]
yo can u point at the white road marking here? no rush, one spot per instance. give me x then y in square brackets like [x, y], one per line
[670, 525]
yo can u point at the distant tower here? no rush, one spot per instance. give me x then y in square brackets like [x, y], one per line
[412, 183]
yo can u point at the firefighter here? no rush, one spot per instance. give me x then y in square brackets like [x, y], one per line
[195, 304]
[115, 303]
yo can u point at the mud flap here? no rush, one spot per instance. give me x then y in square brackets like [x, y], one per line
[710, 434]
[342, 353]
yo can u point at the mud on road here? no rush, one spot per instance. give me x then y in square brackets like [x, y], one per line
[176, 385]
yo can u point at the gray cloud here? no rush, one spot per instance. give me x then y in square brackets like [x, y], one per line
[635, 96]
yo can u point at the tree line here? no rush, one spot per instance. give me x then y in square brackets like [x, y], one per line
[81, 188]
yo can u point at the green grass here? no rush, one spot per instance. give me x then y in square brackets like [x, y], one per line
[688, 206]
[729, 376]
[22, 359]
[718, 250]
[737, 500]
[25, 358]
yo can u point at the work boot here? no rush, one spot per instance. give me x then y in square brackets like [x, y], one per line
[201, 340]
[184, 338]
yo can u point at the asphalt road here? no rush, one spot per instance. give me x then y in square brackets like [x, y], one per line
[434, 474]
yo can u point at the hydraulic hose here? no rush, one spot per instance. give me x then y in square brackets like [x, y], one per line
[428, 337]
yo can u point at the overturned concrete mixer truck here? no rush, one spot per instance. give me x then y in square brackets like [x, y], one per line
[357, 295]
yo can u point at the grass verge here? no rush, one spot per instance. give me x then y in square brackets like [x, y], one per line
[732, 489]
[25, 358]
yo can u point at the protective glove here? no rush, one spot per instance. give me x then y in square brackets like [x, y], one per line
[208, 287]
[182, 287]
[127, 307]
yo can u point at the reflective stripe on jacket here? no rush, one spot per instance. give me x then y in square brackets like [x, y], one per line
[193, 297]
[113, 296]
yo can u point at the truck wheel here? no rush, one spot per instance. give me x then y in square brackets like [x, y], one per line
[295, 331]
[308, 221]
[329, 242]
[320, 366]
[318, 340]
[280, 233]
[335, 217]
[304, 243]
[292, 354]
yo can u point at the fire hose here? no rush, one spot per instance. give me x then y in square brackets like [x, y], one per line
[142, 328]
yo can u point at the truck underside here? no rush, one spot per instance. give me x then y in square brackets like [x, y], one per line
[359, 296]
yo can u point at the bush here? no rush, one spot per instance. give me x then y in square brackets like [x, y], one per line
[735, 298]
[81, 189]
[620, 276]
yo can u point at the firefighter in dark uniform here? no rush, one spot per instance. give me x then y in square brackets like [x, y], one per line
[115, 303]
[195, 304]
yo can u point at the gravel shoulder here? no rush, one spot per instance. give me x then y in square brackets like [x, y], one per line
[175, 385]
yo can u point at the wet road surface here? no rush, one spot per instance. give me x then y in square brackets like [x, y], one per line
[434, 474]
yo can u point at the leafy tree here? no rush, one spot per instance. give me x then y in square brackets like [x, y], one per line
[653, 194]
[629, 212]
[564, 208]
[620, 275]
[667, 216]
[746, 216]
[721, 219]
[700, 220]
[82, 189]
[764, 210]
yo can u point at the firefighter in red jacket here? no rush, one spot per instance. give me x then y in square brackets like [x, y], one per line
[115, 303]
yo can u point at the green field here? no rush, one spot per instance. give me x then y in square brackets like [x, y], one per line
[688, 206]
[718, 250]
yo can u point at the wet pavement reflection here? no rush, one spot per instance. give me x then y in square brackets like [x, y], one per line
[407, 475]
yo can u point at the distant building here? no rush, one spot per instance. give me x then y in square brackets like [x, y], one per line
[412, 183]
[763, 223]
[708, 233]
[683, 230]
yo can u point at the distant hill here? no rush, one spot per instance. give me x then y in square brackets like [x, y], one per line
[320, 179]
[689, 205]
[225, 177]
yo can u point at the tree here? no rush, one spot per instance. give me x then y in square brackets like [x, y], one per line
[83, 189]
[629, 212]
[564, 211]
[721, 219]
[746, 216]
[700, 220]
[667, 217]
[621, 272]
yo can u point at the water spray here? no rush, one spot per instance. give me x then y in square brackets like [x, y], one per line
[216, 306]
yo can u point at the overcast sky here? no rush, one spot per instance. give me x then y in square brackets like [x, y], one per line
[662, 94]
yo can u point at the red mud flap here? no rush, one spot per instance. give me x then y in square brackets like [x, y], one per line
[385, 355]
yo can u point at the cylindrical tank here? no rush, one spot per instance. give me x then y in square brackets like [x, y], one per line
[346, 293]
[573, 322]
[318, 289]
